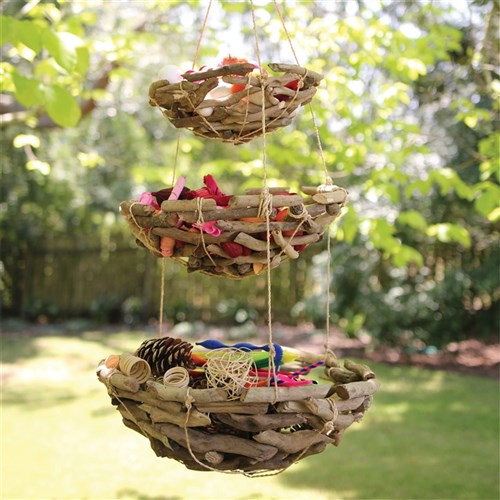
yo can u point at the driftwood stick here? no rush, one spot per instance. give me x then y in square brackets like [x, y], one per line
[362, 370]
[344, 405]
[296, 69]
[131, 411]
[202, 442]
[157, 415]
[257, 125]
[136, 208]
[271, 394]
[159, 220]
[323, 408]
[117, 379]
[254, 200]
[193, 121]
[276, 111]
[180, 394]
[192, 238]
[225, 214]
[258, 423]
[308, 358]
[229, 69]
[337, 196]
[291, 442]
[242, 107]
[256, 99]
[150, 399]
[188, 205]
[292, 407]
[287, 248]
[185, 250]
[324, 220]
[357, 389]
[250, 242]
[259, 257]
[305, 239]
[367, 402]
[282, 460]
[344, 421]
[338, 374]
[272, 190]
[233, 407]
[255, 227]
[333, 209]
[229, 101]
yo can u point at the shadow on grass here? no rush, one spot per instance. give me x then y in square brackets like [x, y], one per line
[137, 495]
[19, 346]
[45, 397]
[428, 435]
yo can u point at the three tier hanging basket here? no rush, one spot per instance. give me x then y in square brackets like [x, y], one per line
[250, 429]
[230, 241]
[235, 116]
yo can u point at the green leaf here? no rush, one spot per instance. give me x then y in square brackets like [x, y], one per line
[413, 219]
[447, 233]
[494, 215]
[488, 200]
[63, 48]
[405, 255]
[82, 60]
[29, 33]
[27, 90]
[61, 106]
[6, 23]
[22, 140]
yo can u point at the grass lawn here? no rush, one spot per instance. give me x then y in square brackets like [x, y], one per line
[429, 434]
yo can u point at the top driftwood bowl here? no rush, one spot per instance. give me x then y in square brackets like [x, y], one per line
[236, 118]
[304, 224]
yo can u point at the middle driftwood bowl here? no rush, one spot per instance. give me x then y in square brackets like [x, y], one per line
[240, 250]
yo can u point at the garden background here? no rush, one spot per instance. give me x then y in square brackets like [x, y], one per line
[408, 120]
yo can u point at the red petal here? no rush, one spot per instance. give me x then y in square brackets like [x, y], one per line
[233, 249]
[294, 85]
[212, 186]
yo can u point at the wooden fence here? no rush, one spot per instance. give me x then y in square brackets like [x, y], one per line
[108, 284]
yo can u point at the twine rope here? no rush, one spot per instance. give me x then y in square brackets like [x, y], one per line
[328, 181]
[202, 32]
[265, 195]
[200, 221]
[162, 295]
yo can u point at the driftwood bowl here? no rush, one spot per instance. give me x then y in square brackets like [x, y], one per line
[237, 117]
[303, 224]
[265, 429]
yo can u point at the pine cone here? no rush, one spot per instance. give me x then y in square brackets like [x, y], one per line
[165, 353]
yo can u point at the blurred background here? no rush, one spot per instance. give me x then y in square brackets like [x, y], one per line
[408, 120]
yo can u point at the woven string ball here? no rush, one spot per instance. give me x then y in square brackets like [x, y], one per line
[199, 102]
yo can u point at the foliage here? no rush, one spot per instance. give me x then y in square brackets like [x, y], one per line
[407, 120]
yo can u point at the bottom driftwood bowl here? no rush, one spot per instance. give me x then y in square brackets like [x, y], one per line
[265, 429]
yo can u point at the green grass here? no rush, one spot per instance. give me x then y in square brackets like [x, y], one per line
[428, 435]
